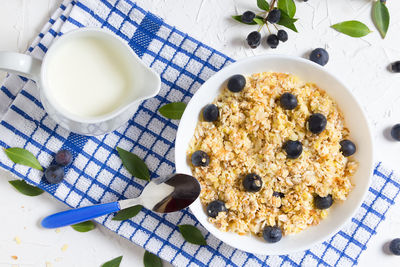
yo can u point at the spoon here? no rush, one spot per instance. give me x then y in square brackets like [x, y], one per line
[162, 195]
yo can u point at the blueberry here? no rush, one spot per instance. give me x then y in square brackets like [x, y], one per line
[394, 246]
[54, 174]
[273, 41]
[200, 159]
[236, 83]
[282, 35]
[288, 101]
[383, 1]
[210, 113]
[215, 207]
[395, 132]
[248, 17]
[272, 234]
[323, 203]
[293, 149]
[316, 123]
[319, 56]
[63, 157]
[252, 182]
[278, 194]
[274, 15]
[254, 39]
[396, 66]
[347, 148]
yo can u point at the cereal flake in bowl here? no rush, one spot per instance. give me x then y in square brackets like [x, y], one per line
[265, 165]
[248, 138]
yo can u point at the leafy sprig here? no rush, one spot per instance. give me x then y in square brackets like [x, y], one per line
[353, 28]
[286, 7]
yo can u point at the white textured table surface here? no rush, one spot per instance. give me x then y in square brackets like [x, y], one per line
[361, 63]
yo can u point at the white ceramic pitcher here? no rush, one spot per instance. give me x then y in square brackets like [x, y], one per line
[147, 83]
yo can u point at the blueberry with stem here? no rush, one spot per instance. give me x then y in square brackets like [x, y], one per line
[273, 41]
[274, 16]
[282, 35]
[248, 16]
[254, 39]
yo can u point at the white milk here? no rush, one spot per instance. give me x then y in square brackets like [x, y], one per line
[88, 77]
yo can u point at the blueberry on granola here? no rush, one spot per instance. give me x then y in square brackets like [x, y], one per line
[323, 203]
[215, 207]
[272, 234]
[347, 148]
[54, 174]
[317, 123]
[200, 159]
[252, 182]
[210, 113]
[288, 101]
[278, 194]
[293, 149]
[236, 83]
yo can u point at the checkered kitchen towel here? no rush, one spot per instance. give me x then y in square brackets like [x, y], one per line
[96, 174]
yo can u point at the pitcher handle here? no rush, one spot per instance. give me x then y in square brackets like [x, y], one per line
[20, 64]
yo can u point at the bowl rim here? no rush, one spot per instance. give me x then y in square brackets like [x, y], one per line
[215, 231]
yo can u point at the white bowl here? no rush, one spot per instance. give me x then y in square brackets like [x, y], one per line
[355, 119]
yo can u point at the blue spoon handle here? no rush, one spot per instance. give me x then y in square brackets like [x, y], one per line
[79, 215]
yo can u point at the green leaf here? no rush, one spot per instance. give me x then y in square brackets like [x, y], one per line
[134, 164]
[22, 156]
[127, 213]
[239, 18]
[151, 260]
[287, 21]
[381, 17]
[173, 110]
[287, 6]
[191, 234]
[263, 4]
[259, 21]
[352, 28]
[84, 226]
[113, 263]
[25, 188]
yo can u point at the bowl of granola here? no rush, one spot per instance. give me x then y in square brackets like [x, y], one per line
[283, 152]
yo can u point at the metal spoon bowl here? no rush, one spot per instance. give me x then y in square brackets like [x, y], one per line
[162, 195]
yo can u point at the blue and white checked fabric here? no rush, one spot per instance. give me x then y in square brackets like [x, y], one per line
[96, 174]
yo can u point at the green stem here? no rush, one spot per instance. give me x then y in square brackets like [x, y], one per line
[268, 28]
[271, 6]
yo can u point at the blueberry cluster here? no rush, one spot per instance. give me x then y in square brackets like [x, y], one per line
[54, 174]
[254, 38]
[316, 124]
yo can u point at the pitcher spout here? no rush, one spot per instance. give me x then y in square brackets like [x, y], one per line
[150, 85]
